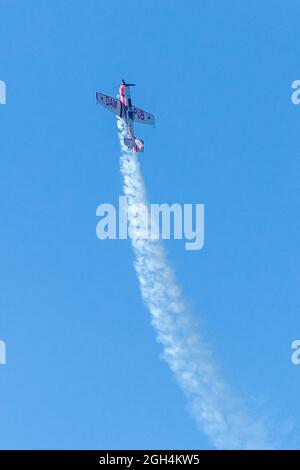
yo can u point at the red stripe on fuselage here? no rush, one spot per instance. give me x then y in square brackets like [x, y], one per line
[122, 93]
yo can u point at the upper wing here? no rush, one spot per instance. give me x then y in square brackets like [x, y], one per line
[113, 104]
[141, 116]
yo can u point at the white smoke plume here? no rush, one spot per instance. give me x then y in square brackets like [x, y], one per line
[222, 416]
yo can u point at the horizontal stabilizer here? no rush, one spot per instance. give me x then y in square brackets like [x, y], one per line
[136, 145]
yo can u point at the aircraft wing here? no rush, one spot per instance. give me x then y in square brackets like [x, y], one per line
[113, 104]
[141, 116]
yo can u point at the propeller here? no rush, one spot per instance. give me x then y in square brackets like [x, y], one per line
[127, 84]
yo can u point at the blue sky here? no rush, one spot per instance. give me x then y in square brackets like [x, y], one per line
[83, 367]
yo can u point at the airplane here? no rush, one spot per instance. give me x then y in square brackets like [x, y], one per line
[124, 109]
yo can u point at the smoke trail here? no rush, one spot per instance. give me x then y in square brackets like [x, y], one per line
[222, 416]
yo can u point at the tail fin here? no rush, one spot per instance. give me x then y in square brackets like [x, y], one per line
[136, 145]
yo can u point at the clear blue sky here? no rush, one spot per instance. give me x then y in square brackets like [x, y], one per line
[83, 367]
